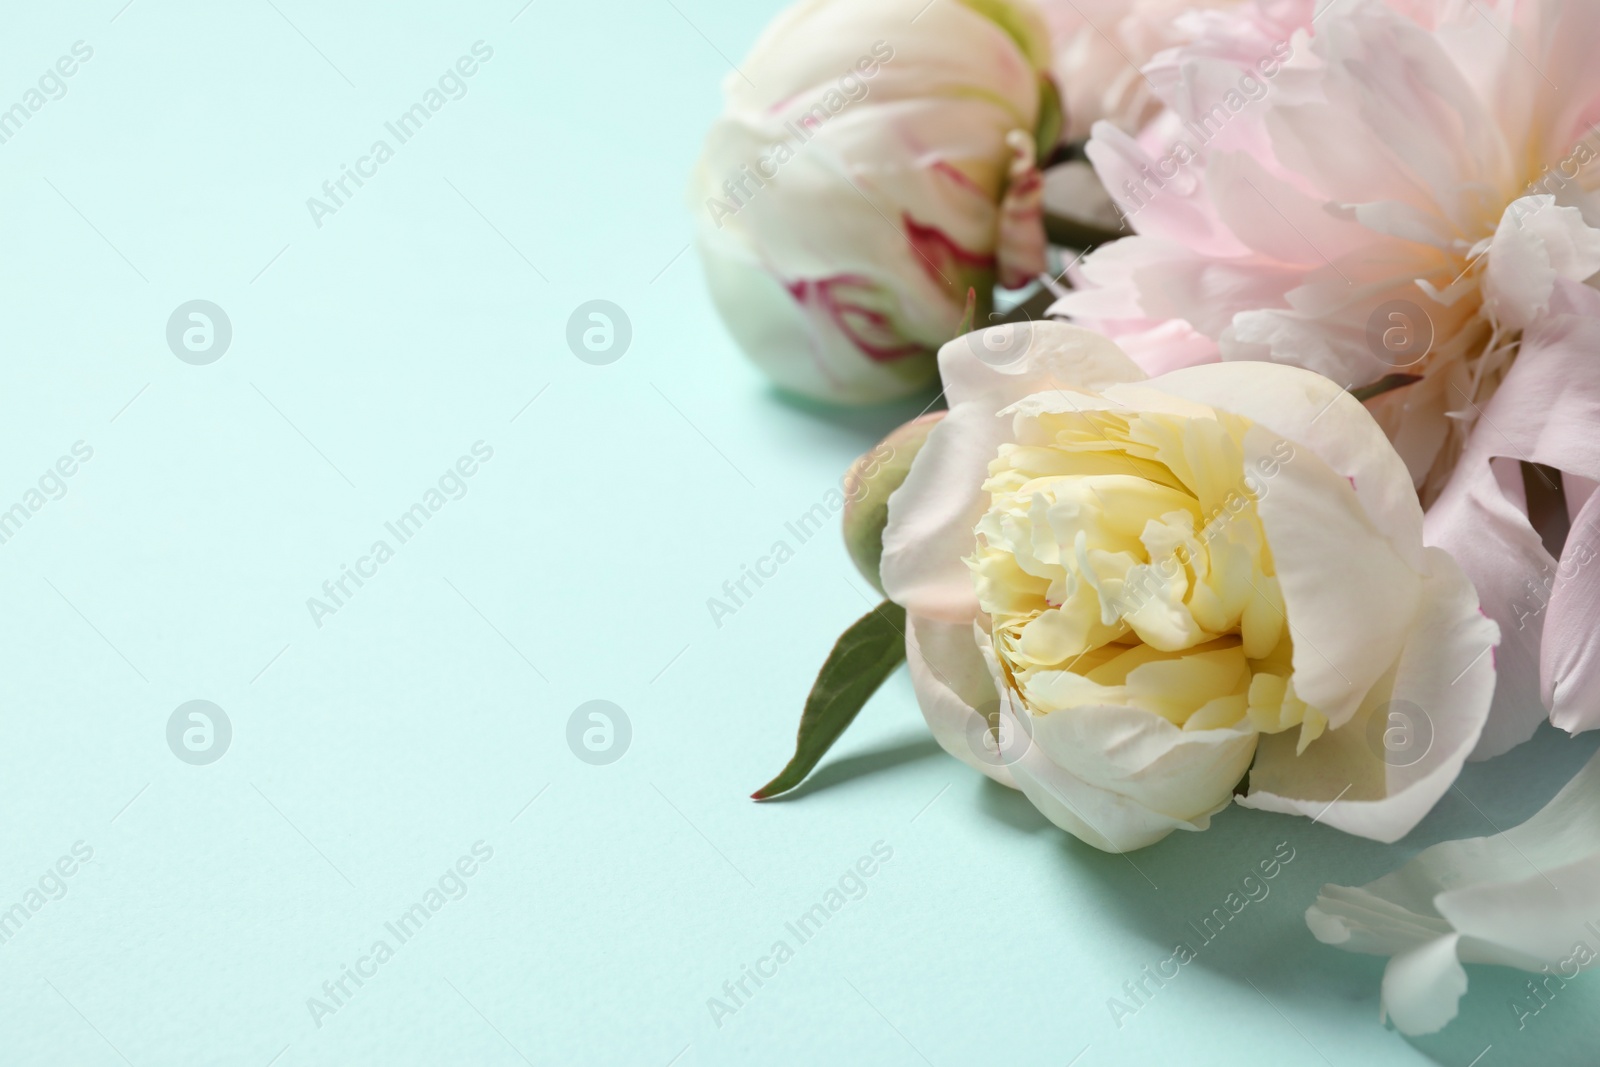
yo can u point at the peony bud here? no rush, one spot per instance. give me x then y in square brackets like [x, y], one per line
[870, 481]
[856, 186]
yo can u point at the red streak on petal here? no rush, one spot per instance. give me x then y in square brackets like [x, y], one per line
[957, 175]
[872, 331]
[941, 258]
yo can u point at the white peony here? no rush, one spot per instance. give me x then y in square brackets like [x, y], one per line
[1123, 593]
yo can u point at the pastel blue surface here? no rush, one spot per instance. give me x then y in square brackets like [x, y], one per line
[423, 721]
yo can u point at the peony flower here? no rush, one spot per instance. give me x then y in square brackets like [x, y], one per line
[1123, 593]
[872, 164]
[1528, 898]
[1391, 195]
[1098, 47]
[1545, 411]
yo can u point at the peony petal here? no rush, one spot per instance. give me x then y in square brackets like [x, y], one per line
[1535, 244]
[1184, 774]
[1349, 594]
[848, 195]
[1569, 656]
[1545, 412]
[1312, 411]
[953, 683]
[1162, 347]
[1422, 988]
[1108, 821]
[1440, 688]
[1524, 898]
[932, 515]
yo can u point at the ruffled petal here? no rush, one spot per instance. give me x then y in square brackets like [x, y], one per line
[1536, 244]
[1544, 412]
[933, 513]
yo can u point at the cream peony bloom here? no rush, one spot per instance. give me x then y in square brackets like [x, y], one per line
[873, 163]
[1123, 593]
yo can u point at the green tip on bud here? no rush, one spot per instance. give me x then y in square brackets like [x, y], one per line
[970, 315]
[1047, 131]
[870, 481]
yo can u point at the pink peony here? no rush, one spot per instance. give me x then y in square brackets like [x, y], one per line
[1405, 190]
[1098, 47]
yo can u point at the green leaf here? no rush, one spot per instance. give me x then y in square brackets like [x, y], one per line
[865, 654]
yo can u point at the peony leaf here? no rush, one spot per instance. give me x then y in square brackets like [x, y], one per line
[865, 654]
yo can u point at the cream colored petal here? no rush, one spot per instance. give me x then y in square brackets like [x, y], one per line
[933, 513]
[954, 688]
[1381, 771]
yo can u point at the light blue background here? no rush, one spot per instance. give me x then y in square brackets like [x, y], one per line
[369, 753]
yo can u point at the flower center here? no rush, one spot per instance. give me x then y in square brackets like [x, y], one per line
[1122, 562]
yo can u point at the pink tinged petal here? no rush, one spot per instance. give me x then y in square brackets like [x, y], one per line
[857, 308]
[1544, 411]
[1569, 659]
[953, 683]
[1173, 283]
[1494, 544]
[949, 170]
[934, 512]
[944, 261]
[1020, 248]
[1167, 203]
[1103, 282]
[1577, 489]
[1554, 394]
[1535, 244]
[1164, 347]
[1275, 219]
[1351, 164]
[1440, 689]
[1417, 106]
[1333, 347]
